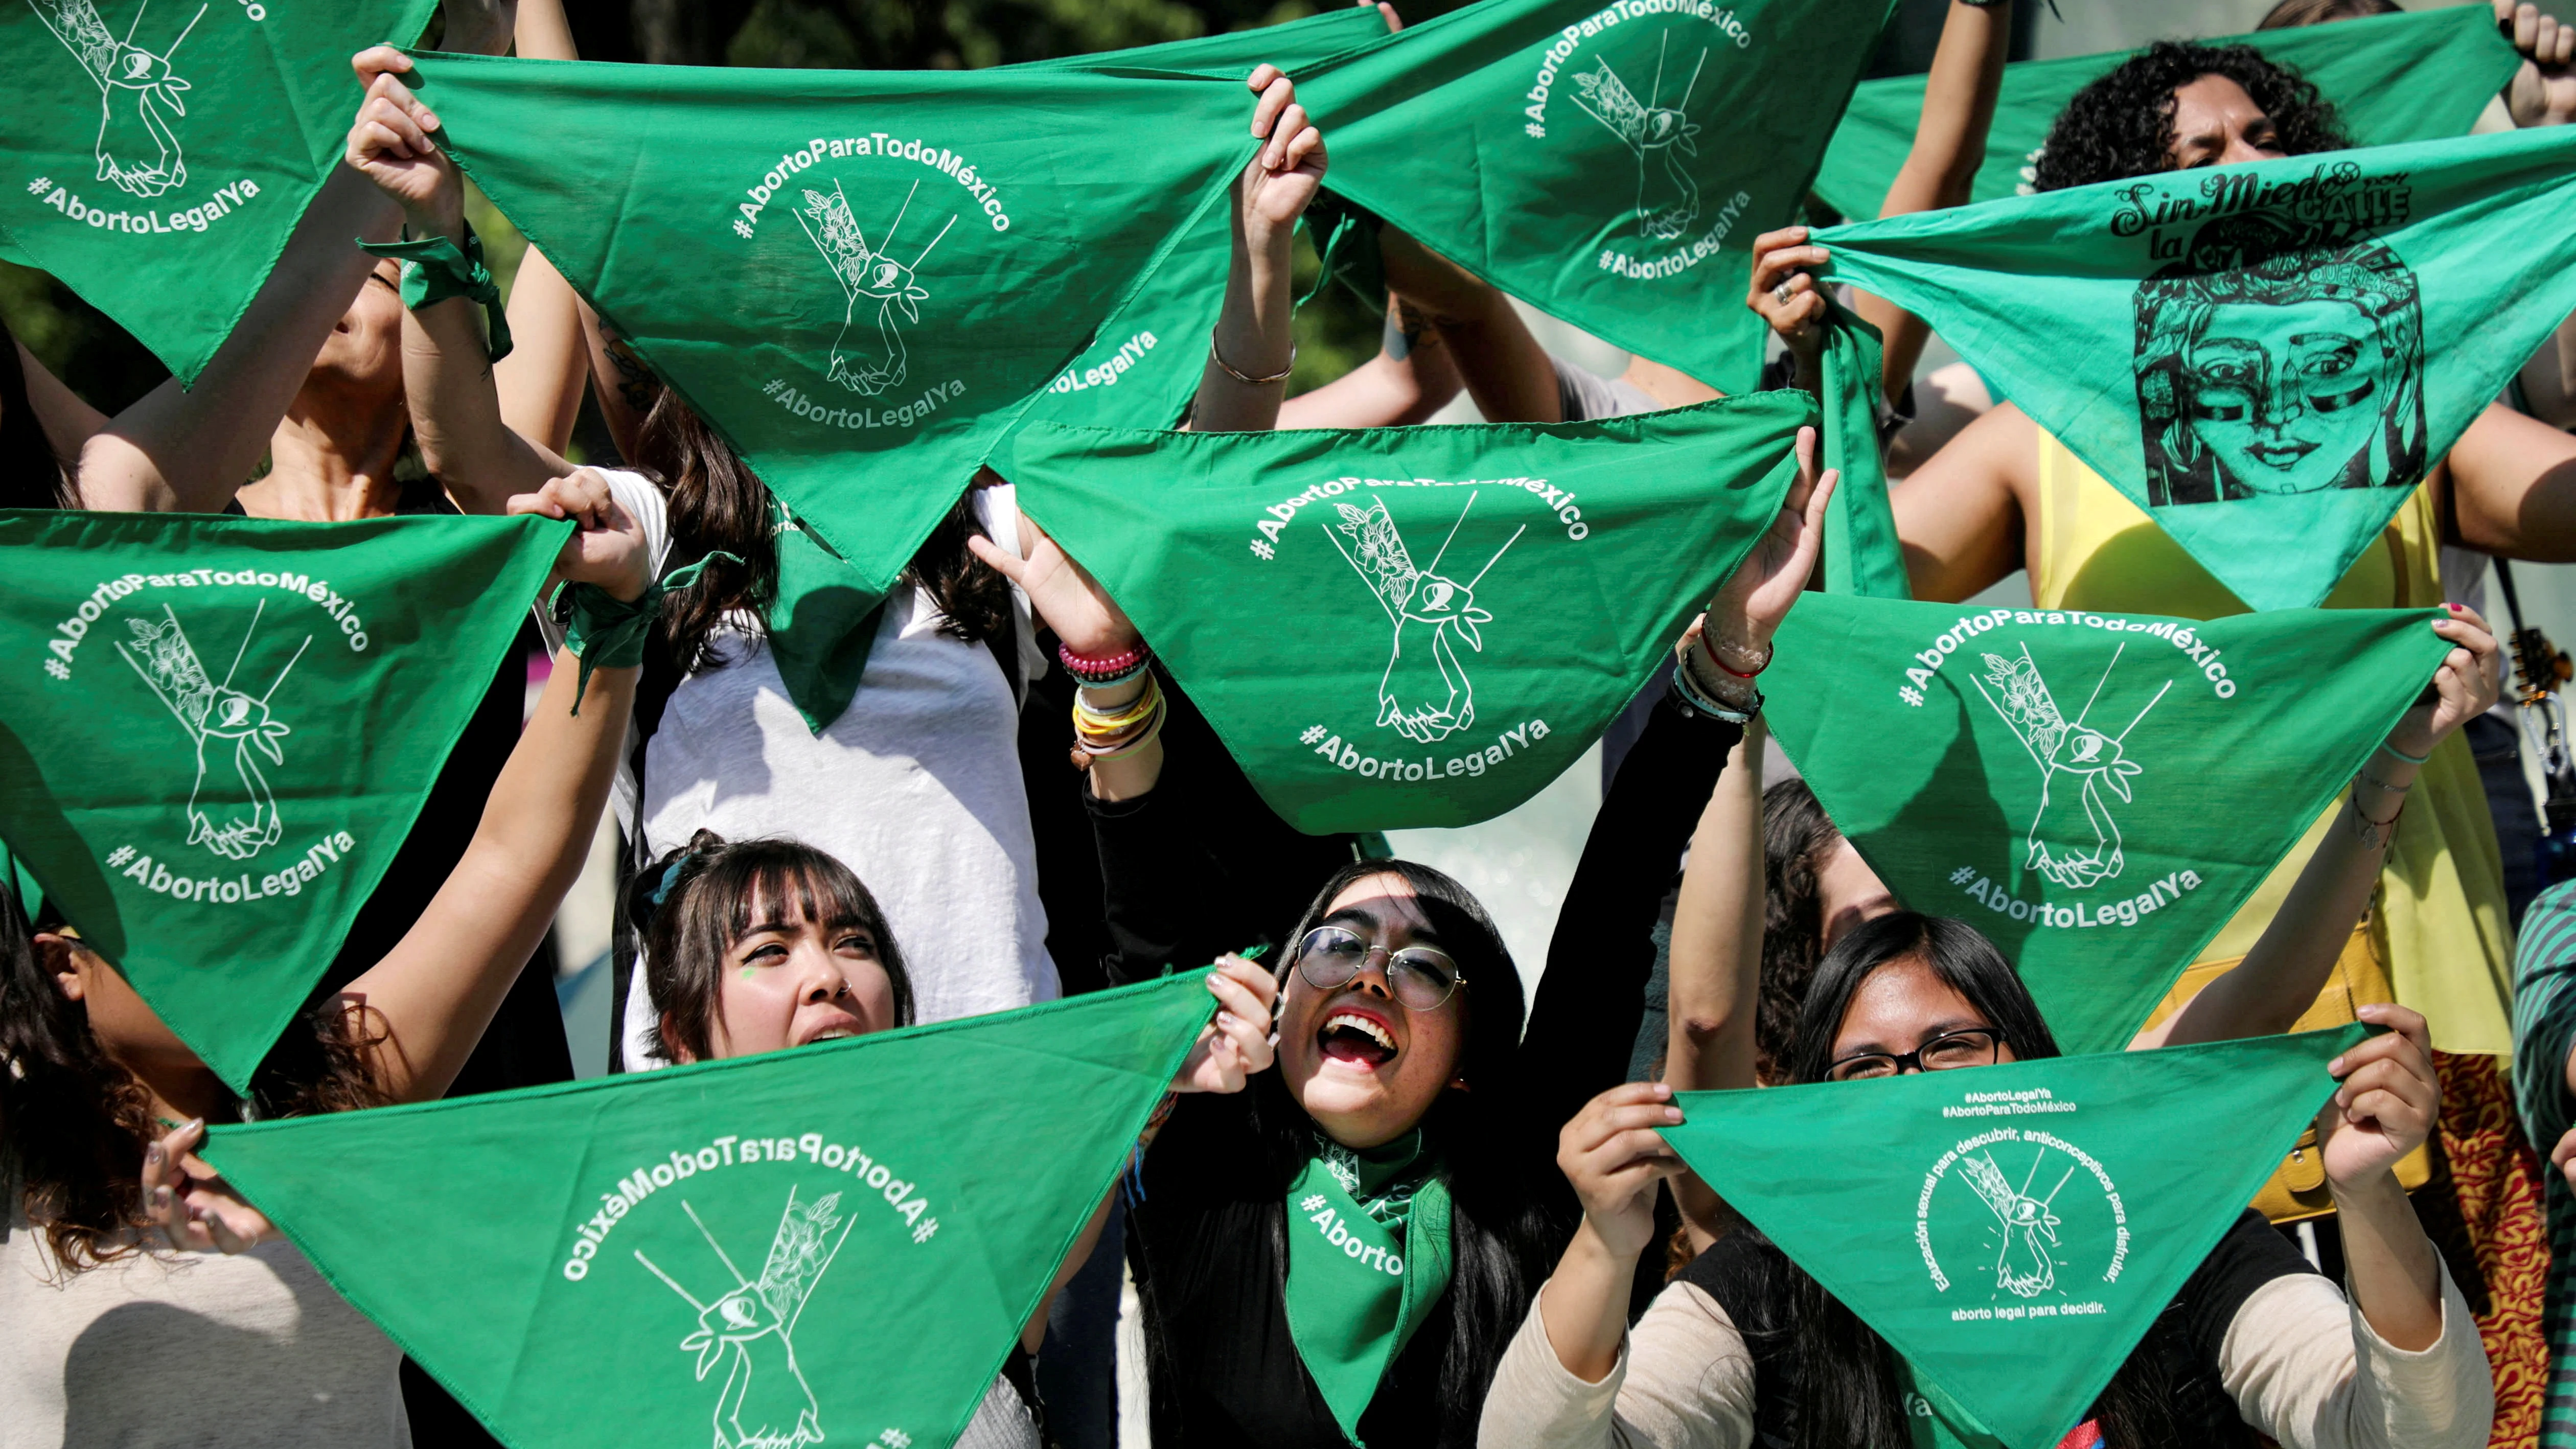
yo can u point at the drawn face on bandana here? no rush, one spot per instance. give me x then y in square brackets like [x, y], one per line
[2264, 373]
[2284, 397]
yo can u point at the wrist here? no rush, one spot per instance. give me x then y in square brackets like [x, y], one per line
[2377, 1188]
[439, 218]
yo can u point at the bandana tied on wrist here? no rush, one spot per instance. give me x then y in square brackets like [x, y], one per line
[435, 269]
[1368, 1254]
[607, 632]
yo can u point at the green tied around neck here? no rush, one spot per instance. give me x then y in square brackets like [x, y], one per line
[1368, 1255]
[607, 632]
[435, 269]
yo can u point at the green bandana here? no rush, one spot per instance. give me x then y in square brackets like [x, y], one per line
[435, 269]
[859, 277]
[1397, 627]
[2391, 78]
[2259, 356]
[1862, 553]
[1368, 1256]
[1608, 164]
[2098, 793]
[150, 144]
[1232, 54]
[213, 834]
[836, 1244]
[1144, 366]
[2013, 1230]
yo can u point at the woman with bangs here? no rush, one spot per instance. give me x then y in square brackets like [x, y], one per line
[1336, 1255]
[760, 946]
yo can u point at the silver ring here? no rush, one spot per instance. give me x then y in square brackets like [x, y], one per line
[1780, 294]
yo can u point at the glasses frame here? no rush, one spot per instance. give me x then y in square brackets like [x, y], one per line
[1376, 953]
[1914, 1058]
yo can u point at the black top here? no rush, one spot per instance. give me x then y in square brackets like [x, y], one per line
[2178, 1357]
[1209, 1235]
[525, 1045]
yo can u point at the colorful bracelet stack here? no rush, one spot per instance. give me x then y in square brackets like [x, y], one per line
[1694, 698]
[1113, 736]
[1117, 668]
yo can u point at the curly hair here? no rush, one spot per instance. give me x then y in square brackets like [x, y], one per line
[2122, 125]
[74, 1124]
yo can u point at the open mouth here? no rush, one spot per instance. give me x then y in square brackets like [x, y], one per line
[1356, 1039]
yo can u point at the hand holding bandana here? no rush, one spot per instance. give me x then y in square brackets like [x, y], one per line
[833, 1244]
[2265, 357]
[220, 730]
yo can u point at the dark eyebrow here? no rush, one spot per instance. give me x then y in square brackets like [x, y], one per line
[1424, 933]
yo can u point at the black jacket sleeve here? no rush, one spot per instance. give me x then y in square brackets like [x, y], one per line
[1200, 865]
[1592, 995]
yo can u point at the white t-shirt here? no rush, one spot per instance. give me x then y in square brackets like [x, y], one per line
[189, 1349]
[916, 788]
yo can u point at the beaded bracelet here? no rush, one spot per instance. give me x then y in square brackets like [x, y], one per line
[1692, 700]
[1711, 651]
[2374, 834]
[1117, 668]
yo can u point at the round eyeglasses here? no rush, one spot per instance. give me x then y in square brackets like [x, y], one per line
[1420, 976]
[1976, 1047]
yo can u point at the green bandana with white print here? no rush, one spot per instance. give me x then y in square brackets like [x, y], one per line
[1368, 1257]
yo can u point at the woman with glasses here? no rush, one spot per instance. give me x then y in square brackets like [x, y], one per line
[1339, 1254]
[1746, 1347]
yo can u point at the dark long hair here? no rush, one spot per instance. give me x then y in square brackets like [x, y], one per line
[1848, 1388]
[719, 505]
[30, 475]
[1506, 1218]
[2122, 124]
[1796, 838]
[715, 886]
[74, 1124]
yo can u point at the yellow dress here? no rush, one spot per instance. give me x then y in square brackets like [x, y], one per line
[2450, 945]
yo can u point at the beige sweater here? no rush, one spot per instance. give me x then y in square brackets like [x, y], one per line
[2301, 1363]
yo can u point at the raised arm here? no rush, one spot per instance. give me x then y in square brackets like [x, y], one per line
[1255, 342]
[2512, 488]
[186, 450]
[2281, 976]
[540, 382]
[448, 378]
[1412, 377]
[1499, 361]
[1592, 994]
[436, 991]
[1716, 957]
[1949, 145]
